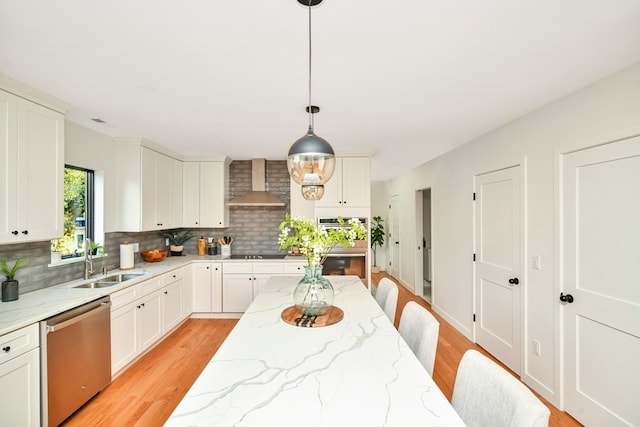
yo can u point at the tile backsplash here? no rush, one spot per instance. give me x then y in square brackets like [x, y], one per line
[254, 229]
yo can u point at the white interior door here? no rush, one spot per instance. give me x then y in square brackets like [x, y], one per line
[601, 273]
[497, 267]
[394, 237]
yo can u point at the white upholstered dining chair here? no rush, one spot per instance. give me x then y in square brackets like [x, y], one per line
[387, 297]
[420, 330]
[484, 394]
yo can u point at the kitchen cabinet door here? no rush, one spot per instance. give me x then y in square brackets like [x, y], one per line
[176, 194]
[207, 287]
[214, 211]
[8, 166]
[356, 182]
[237, 292]
[298, 205]
[205, 193]
[150, 318]
[295, 268]
[350, 185]
[172, 306]
[156, 175]
[20, 390]
[124, 336]
[191, 194]
[31, 171]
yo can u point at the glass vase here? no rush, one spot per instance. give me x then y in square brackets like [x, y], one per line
[313, 295]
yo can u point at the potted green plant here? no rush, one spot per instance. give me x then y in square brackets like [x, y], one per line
[377, 239]
[177, 239]
[95, 248]
[10, 286]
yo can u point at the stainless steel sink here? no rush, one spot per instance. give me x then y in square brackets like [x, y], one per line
[123, 277]
[96, 285]
[105, 282]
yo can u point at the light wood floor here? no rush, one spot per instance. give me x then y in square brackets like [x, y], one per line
[147, 393]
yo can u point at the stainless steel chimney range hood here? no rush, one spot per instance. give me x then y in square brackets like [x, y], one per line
[258, 196]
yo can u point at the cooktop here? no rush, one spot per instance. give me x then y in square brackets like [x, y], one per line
[257, 256]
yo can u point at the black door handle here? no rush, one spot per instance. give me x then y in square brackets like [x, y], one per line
[566, 298]
[514, 281]
[14, 232]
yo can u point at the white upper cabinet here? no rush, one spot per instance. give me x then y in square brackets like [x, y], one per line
[149, 188]
[299, 206]
[350, 185]
[31, 170]
[205, 194]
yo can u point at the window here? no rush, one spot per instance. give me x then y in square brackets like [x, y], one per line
[78, 212]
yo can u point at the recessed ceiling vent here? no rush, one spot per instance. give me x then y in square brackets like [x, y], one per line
[258, 196]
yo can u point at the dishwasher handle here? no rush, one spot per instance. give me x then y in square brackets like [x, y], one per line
[59, 326]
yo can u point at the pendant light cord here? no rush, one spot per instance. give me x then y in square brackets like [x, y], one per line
[310, 110]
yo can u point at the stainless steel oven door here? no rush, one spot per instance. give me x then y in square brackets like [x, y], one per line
[341, 264]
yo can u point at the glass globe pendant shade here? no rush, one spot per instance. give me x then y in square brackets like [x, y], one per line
[312, 192]
[311, 160]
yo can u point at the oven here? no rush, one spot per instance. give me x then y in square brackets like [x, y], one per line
[346, 261]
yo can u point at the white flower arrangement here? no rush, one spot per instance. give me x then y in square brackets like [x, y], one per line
[314, 241]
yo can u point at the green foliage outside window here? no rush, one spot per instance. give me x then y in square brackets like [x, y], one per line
[75, 193]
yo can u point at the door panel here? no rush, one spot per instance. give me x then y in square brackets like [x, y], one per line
[394, 237]
[600, 229]
[498, 257]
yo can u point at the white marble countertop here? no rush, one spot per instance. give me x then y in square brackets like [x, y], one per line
[35, 306]
[356, 372]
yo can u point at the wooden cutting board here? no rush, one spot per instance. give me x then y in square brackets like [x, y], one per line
[293, 317]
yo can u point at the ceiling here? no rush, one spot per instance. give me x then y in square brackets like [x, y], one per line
[403, 81]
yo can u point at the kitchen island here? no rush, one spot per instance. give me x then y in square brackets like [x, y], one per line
[357, 372]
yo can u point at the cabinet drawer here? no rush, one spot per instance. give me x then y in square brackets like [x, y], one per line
[149, 286]
[294, 268]
[18, 342]
[237, 268]
[267, 268]
[123, 297]
[172, 276]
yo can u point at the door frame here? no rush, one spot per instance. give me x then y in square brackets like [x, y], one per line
[419, 253]
[558, 243]
[522, 164]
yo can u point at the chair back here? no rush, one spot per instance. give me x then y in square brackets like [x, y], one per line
[420, 330]
[387, 297]
[485, 394]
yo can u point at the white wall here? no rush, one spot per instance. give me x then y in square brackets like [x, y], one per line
[612, 104]
[380, 207]
[92, 150]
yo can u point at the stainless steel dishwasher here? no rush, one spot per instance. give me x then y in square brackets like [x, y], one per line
[76, 358]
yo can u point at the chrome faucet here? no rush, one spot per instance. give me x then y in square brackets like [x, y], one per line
[88, 260]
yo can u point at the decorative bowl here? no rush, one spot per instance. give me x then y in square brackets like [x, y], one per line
[155, 255]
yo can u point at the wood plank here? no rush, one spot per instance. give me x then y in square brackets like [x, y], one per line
[147, 393]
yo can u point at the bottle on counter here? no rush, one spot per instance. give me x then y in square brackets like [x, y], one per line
[202, 246]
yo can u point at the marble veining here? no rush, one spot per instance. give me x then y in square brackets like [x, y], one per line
[356, 372]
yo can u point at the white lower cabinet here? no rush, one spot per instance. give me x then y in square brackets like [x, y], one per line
[294, 268]
[237, 292]
[20, 377]
[243, 281]
[206, 282]
[142, 314]
[172, 303]
[150, 319]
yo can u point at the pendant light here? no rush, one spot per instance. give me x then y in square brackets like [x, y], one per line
[311, 160]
